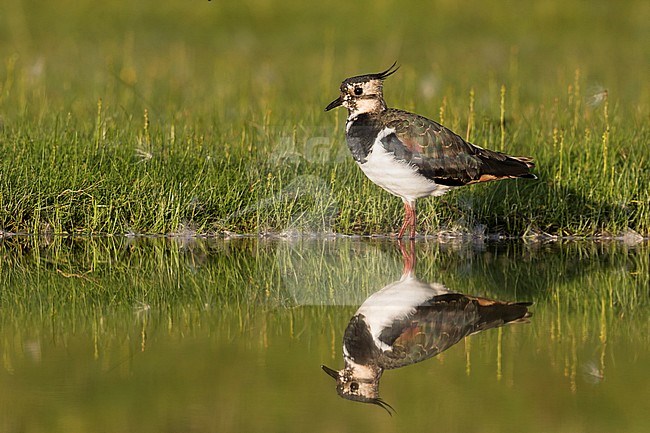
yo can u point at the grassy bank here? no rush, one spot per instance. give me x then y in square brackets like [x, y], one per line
[208, 118]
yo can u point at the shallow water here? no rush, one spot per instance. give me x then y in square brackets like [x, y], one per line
[229, 335]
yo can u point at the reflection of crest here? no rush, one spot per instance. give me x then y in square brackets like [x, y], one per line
[409, 321]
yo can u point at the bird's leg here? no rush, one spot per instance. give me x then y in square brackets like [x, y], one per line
[413, 219]
[407, 220]
[408, 256]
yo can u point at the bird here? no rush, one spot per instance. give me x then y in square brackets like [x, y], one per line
[406, 322]
[411, 156]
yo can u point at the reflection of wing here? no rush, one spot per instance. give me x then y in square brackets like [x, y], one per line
[443, 156]
[441, 322]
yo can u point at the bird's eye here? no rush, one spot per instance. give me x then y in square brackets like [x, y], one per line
[358, 90]
[354, 386]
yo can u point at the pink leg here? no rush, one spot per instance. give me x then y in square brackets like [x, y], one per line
[408, 217]
[409, 220]
[414, 219]
[408, 256]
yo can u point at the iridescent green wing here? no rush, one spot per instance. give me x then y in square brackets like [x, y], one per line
[443, 321]
[442, 156]
[434, 327]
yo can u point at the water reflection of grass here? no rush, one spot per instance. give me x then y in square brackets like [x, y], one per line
[85, 276]
[205, 118]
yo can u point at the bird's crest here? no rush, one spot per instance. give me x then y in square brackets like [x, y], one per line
[378, 76]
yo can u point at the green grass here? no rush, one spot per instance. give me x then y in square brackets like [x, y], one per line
[207, 118]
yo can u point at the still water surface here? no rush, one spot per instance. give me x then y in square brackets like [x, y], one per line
[120, 335]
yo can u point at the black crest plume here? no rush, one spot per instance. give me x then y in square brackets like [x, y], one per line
[378, 76]
[381, 403]
[388, 72]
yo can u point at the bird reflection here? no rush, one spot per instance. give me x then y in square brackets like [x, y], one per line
[409, 321]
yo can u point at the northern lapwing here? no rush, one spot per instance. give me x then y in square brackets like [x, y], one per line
[409, 321]
[411, 156]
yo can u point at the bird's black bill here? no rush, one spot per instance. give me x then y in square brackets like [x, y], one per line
[335, 103]
[329, 371]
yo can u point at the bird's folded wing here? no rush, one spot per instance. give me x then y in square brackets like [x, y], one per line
[440, 323]
[443, 156]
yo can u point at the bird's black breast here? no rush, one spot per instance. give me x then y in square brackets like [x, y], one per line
[358, 341]
[361, 136]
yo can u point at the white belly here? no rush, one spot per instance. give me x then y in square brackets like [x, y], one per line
[398, 178]
[396, 301]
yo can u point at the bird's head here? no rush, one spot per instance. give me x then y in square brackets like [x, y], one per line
[360, 383]
[363, 93]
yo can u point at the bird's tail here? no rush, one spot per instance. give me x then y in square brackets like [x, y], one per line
[496, 313]
[530, 164]
[497, 165]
